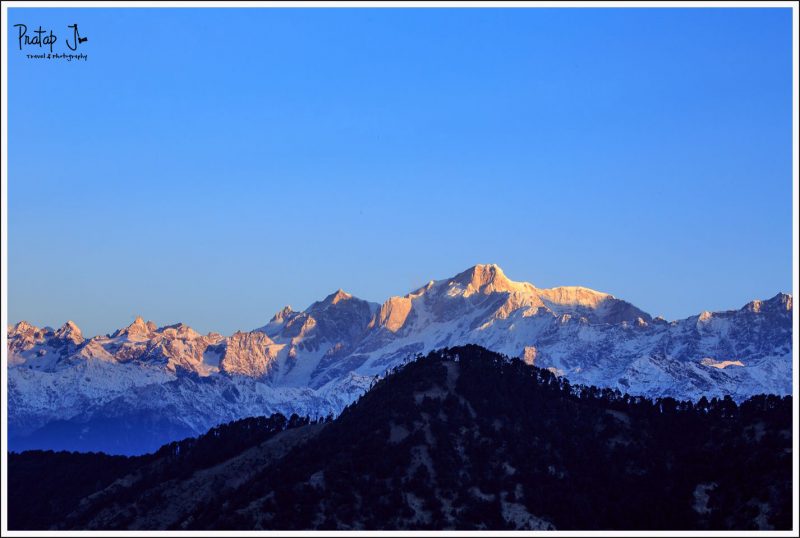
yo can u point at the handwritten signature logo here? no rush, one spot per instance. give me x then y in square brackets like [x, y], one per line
[77, 38]
[46, 38]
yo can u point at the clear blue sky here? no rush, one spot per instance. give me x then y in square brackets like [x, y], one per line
[210, 166]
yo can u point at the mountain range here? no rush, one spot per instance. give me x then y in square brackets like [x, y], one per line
[142, 386]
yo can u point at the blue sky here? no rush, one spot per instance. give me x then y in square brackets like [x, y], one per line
[211, 166]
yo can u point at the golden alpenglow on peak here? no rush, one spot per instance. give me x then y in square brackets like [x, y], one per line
[393, 313]
[139, 329]
[70, 331]
[339, 295]
[574, 295]
[484, 278]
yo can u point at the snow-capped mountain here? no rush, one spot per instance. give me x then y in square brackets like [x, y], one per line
[144, 385]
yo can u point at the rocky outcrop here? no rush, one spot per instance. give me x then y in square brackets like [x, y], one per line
[251, 354]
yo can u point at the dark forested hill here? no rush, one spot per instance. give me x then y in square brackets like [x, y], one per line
[462, 439]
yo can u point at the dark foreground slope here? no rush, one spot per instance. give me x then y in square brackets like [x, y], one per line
[45, 486]
[461, 439]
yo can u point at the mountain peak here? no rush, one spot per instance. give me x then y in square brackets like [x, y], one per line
[483, 278]
[337, 296]
[282, 314]
[22, 327]
[70, 331]
[781, 302]
[138, 328]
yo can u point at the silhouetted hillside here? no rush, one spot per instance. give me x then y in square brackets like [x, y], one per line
[462, 439]
[47, 486]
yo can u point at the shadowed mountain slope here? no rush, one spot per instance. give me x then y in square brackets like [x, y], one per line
[464, 439]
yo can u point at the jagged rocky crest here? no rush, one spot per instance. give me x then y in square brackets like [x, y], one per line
[318, 360]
